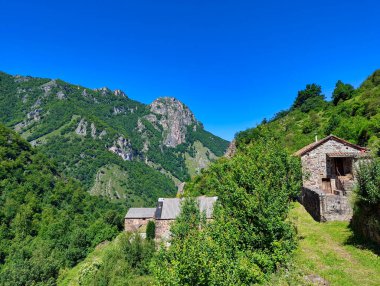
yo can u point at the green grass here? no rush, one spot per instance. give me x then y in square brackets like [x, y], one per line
[328, 250]
[82, 273]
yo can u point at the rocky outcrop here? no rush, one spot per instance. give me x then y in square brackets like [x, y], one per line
[103, 90]
[102, 134]
[93, 131]
[34, 115]
[31, 117]
[81, 128]
[123, 148]
[47, 87]
[231, 150]
[174, 118]
[61, 95]
[118, 110]
[119, 92]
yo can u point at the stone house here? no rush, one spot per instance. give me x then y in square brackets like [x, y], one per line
[136, 219]
[163, 215]
[328, 168]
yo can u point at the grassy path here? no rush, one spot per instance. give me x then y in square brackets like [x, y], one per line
[325, 250]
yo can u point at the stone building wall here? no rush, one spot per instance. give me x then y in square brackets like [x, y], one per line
[133, 224]
[325, 207]
[163, 229]
[315, 162]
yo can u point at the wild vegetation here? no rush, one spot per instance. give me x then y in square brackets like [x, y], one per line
[48, 113]
[249, 237]
[328, 253]
[47, 221]
[122, 262]
[366, 219]
[353, 114]
[258, 235]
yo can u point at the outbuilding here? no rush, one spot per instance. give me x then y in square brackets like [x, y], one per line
[328, 169]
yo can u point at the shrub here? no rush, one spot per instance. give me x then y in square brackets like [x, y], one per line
[368, 182]
[151, 230]
[249, 236]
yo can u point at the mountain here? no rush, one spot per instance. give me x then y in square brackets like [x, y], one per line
[47, 221]
[117, 147]
[353, 114]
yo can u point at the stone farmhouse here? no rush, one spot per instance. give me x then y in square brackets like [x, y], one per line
[328, 168]
[163, 215]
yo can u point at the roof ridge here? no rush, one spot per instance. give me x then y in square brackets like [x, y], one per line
[311, 146]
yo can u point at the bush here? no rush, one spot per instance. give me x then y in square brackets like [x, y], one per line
[151, 230]
[368, 182]
[249, 237]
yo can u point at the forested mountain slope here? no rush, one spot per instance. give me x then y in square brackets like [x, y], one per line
[353, 114]
[115, 146]
[47, 221]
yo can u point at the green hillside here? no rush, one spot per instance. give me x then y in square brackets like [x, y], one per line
[352, 114]
[47, 221]
[85, 130]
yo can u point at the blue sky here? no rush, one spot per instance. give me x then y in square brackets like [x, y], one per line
[232, 62]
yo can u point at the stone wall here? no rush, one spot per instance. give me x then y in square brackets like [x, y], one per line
[310, 200]
[326, 207]
[163, 229]
[133, 224]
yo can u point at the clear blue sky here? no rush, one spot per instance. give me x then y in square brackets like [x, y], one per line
[232, 62]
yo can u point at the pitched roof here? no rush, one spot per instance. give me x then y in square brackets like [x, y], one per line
[207, 204]
[313, 145]
[171, 207]
[140, 213]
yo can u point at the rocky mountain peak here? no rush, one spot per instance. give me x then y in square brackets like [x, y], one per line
[119, 92]
[103, 90]
[174, 117]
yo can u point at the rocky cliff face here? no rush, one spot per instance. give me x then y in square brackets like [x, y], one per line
[174, 117]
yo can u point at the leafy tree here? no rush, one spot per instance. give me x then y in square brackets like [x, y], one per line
[150, 230]
[342, 92]
[366, 218]
[368, 182]
[249, 236]
[311, 91]
[47, 222]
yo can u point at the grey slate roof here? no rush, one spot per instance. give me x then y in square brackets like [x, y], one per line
[140, 213]
[171, 207]
[207, 204]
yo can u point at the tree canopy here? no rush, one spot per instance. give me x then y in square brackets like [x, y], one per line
[342, 92]
[311, 91]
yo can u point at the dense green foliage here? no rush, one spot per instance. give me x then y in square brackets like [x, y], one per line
[355, 117]
[311, 92]
[249, 236]
[47, 112]
[47, 222]
[150, 230]
[366, 218]
[342, 92]
[124, 261]
[368, 182]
